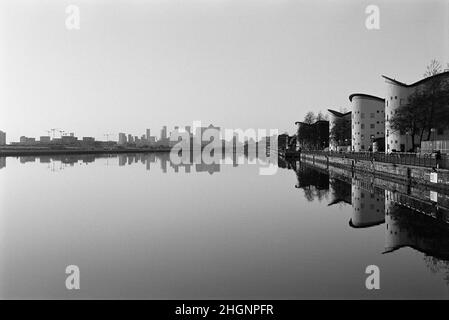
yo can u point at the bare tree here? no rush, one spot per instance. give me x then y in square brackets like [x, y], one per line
[309, 118]
[320, 116]
[433, 68]
[341, 132]
[426, 109]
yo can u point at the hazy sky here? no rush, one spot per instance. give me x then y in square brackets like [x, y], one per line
[234, 63]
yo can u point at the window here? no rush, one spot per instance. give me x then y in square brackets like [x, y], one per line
[371, 115]
[363, 126]
[372, 125]
[396, 97]
[363, 115]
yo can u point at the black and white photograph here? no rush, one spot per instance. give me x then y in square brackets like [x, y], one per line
[207, 151]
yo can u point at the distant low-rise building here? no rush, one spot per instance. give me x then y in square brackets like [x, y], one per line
[69, 139]
[44, 139]
[27, 141]
[90, 141]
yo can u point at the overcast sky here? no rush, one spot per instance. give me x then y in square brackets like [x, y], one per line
[234, 63]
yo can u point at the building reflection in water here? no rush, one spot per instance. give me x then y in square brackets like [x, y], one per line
[2, 162]
[190, 162]
[410, 220]
[368, 205]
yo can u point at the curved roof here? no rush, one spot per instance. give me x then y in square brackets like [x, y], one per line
[442, 74]
[365, 225]
[338, 114]
[365, 96]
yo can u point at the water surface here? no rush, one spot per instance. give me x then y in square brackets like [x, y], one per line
[140, 227]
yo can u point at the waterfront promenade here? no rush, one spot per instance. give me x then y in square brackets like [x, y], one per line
[412, 169]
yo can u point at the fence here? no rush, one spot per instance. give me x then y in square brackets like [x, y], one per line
[430, 146]
[410, 159]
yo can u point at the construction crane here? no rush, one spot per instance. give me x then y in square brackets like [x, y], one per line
[53, 131]
[107, 136]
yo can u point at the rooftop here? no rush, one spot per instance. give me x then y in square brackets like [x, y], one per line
[365, 96]
[442, 74]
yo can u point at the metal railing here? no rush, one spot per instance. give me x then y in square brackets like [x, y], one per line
[410, 159]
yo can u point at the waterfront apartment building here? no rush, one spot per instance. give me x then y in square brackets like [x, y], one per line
[2, 138]
[398, 94]
[368, 121]
[342, 140]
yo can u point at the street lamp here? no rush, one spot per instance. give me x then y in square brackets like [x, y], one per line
[433, 137]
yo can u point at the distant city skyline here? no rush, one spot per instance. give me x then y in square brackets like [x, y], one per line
[239, 64]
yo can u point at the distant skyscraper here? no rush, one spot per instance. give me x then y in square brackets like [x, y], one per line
[148, 135]
[121, 138]
[2, 138]
[164, 133]
[130, 138]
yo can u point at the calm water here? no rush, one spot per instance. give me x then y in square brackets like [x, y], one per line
[139, 227]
